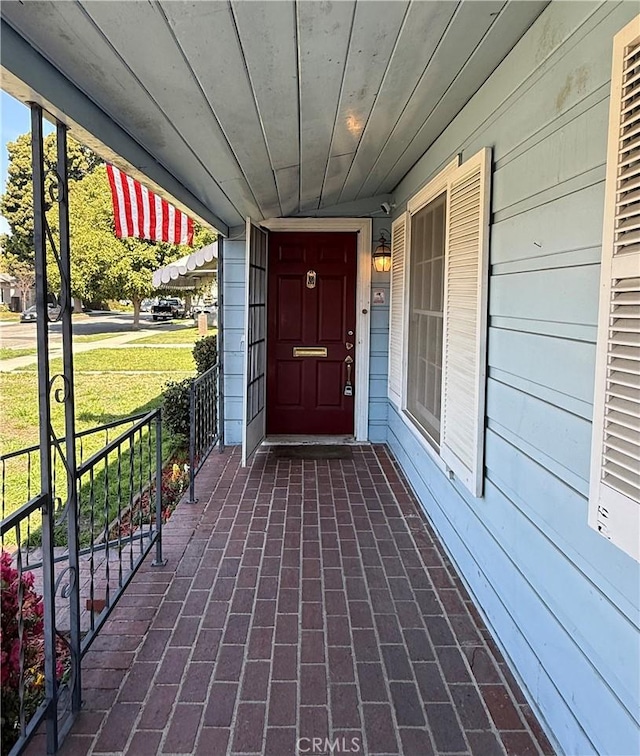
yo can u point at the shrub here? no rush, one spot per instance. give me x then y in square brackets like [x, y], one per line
[175, 407]
[31, 645]
[177, 394]
[205, 353]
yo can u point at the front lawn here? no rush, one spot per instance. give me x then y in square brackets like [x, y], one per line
[97, 402]
[183, 335]
[127, 359]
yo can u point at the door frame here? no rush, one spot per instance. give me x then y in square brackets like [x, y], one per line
[361, 227]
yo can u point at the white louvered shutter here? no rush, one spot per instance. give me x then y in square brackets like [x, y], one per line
[614, 500]
[465, 321]
[399, 231]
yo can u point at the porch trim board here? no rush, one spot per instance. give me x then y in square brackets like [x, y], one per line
[362, 227]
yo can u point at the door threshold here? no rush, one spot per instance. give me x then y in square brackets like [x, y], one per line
[302, 440]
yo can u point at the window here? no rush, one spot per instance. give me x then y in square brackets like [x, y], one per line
[614, 496]
[438, 314]
[426, 314]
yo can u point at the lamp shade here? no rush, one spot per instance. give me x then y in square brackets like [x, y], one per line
[382, 255]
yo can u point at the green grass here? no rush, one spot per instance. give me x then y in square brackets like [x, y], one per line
[183, 335]
[127, 359]
[11, 317]
[8, 353]
[97, 402]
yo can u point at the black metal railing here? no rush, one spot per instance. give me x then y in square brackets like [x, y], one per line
[204, 425]
[20, 469]
[118, 495]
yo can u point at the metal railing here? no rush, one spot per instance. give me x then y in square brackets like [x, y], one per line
[20, 469]
[204, 425]
[118, 490]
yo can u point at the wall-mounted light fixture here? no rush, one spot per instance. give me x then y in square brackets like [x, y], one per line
[382, 253]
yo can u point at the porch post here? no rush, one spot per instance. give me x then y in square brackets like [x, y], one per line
[66, 302]
[44, 404]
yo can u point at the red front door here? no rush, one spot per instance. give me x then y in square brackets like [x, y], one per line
[311, 333]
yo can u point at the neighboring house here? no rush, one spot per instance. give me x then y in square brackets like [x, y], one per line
[477, 358]
[11, 296]
[7, 289]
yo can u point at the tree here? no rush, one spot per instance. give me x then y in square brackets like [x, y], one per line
[103, 266]
[25, 276]
[23, 272]
[16, 204]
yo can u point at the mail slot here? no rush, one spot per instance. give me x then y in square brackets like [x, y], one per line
[309, 351]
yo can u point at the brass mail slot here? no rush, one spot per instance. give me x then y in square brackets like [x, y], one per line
[309, 351]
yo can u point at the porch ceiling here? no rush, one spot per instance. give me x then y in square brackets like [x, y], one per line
[273, 109]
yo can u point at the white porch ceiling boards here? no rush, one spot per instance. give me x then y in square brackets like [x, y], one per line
[276, 108]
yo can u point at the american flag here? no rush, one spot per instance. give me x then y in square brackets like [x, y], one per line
[141, 213]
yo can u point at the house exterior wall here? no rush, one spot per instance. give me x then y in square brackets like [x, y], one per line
[562, 601]
[379, 345]
[234, 295]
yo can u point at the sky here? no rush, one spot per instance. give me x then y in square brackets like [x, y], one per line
[15, 119]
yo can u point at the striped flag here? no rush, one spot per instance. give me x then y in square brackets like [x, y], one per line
[141, 213]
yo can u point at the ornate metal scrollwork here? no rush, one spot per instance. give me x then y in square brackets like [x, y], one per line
[57, 194]
[62, 394]
[69, 585]
[57, 189]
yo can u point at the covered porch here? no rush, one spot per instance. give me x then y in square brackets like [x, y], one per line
[304, 599]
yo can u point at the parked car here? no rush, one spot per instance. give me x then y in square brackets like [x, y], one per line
[210, 310]
[211, 307]
[170, 307]
[31, 313]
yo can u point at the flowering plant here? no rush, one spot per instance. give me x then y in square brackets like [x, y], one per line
[21, 635]
[175, 481]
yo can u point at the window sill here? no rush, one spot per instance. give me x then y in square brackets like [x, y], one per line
[410, 423]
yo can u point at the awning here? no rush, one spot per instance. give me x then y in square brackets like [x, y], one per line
[190, 272]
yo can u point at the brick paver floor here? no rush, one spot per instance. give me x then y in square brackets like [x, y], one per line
[303, 600]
